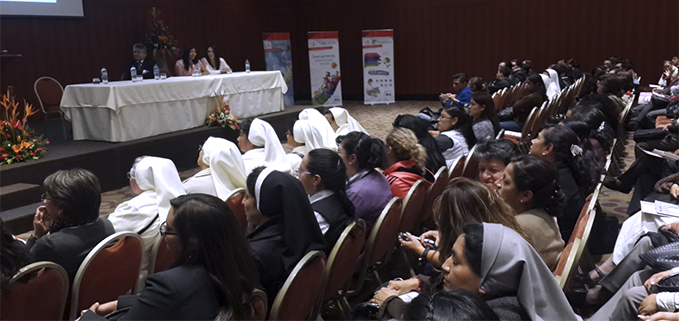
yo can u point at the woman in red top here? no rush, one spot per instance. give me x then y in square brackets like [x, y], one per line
[406, 159]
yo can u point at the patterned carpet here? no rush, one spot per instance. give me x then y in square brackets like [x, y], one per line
[377, 121]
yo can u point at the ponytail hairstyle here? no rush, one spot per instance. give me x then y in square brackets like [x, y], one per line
[483, 98]
[569, 150]
[599, 127]
[328, 165]
[476, 84]
[370, 152]
[464, 124]
[541, 178]
[404, 145]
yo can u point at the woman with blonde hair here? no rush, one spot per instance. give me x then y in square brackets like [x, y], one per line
[464, 200]
[406, 159]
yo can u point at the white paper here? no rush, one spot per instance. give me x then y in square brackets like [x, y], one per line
[407, 297]
[663, 208]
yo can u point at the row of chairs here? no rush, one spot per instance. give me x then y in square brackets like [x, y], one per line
[506, 97]
[558, 105]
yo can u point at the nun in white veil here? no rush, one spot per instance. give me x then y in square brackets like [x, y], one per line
[342, 122]
[319, 121]
[554, 86]
[261, 147]
[155, 181]
[304, 138]
[222, 169]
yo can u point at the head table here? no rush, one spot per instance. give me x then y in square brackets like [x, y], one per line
[124, 110]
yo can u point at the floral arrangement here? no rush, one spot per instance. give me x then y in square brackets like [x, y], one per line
[18, 142]
[222, 115]
[158, 36]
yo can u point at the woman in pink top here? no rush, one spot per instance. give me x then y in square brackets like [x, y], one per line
[187, 65]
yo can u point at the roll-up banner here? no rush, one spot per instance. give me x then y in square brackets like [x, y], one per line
[278, 56]
[378, 66]
[324, 68]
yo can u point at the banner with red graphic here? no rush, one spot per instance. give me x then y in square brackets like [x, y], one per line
[378, 66]
[324, 68]
[278, 56]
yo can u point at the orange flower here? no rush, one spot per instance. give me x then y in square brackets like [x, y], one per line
[26, 144]
[17, 148]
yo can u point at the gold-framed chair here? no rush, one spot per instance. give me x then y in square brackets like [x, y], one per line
[302, 290]
[111, 269]
[39, 297]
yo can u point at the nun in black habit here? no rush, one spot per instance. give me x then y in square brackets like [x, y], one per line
[282, 226]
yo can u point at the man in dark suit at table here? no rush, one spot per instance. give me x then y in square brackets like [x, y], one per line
[144, 66]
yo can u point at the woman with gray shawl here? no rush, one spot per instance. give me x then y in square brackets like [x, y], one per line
[495, 263]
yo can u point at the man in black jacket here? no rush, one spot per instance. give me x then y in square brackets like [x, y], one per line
[144, 66]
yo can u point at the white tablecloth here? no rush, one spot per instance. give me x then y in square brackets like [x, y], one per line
[122, 110]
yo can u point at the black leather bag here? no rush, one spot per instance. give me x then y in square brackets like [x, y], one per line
[662, 258]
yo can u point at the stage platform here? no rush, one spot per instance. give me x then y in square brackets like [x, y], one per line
[109, 161]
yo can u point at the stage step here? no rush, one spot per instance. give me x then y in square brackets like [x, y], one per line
[19, 194]
[19, 220]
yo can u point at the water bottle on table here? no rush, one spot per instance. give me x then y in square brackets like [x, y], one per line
[247, 65]
[133, 73]
[104, 76]
[156, 72]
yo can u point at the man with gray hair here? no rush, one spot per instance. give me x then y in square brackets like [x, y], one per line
[143, 64]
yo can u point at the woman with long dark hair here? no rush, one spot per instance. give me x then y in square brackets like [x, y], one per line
[561, 146]
[485, 123]
[213, 62]
[530, 186]
[213, 275]
[187, 65]
[456, 126]
[324, 178]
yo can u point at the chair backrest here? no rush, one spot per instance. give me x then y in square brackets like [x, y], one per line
[412, 206]
[528, 125]
[234, 202]
[343, 258]
[570, 259]
[302, 289]
[435, 190]
[380, 240]
[108, 271]
[471, 164]
[456, 168]
[384, 232]
[42, 297]
[260, 305]
[49, 92]
[161, 256]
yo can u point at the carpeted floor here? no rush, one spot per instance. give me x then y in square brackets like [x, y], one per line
[377, 121]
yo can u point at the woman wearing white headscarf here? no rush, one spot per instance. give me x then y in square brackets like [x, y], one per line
[342, 122]
[155, 181]
[261, 146]
[222, 169]
[319, 121]
[303, 138]
[554, 86]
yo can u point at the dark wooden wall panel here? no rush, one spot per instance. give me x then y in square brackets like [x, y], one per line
[434, 39]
